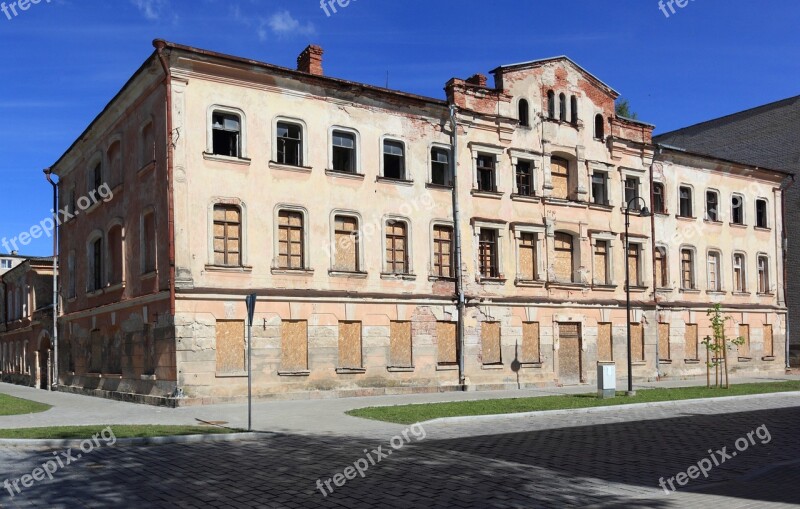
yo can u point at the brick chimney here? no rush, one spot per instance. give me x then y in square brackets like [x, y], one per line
[310, 60]
[478, 80]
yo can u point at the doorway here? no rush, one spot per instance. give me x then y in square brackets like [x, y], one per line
[570, 358]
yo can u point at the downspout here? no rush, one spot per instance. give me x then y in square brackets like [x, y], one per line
[460, 301]
[785, 185]
[160, 45]
[653, 250]
[48, 173]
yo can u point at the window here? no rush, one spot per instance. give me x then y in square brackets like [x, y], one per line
[690, 339]
[290, 144]
[5, 264]
[440, 167]
[763, 275]
[562, 107]
[744, 348]
[659, 202]
[227, 235]
[225, 134]
[446, 343]
[601, 250]
[761, 214]
[486, 173]
[663, 341]
[350, 346]
[662, 275]
[400, 347]
[344, 152]
[687, 269]
[551, 104]
[573, 103]
[559, 172]
[739, 274]
[564, 257]
[527, 257]
[632, 193]
[635, 264]
[394, 166]
[114, 156]
[524, 119]
[488, 253]
[148, 242]
[714, 283]
[525, 179]
[686, 202]
[637, 342]
[442, 251]
[97, 264]
[347, 258]
[605, 342]
[600, 188]
[230, 347]
[294, 346]
[737, 209]
[531, 343]
[71, 286]
[290, 240]
[712, 206]
[115, 254]
[599, 127]
[147, 147]
[490, 343]
[97, 177]
[396, 247]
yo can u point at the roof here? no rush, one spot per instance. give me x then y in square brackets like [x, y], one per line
[767, 136]
[542, 61]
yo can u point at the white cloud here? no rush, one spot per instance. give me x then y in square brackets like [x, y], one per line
[281, 23]
[151, 9]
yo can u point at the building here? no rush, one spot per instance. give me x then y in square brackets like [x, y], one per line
[9, 261]
[26, 296]
[333, 202]
[764, 137]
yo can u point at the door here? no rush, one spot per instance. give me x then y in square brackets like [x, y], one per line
[569, 354]
[44, 368]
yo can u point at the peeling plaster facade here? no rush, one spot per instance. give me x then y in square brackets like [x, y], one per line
[157, 315]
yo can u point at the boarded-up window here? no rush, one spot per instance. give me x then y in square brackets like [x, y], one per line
[396, 247]
[347, 244]
[634, 264]
[769, 348]
[559, 171]
[443, 251]
[230, 346]
[531, 343]
[663, 342]
[687, 269]
[294, 345]
[605, 345]
[446, 342]
[290, 240]
[564, 265]
[527, 256]
[691, 339]
[637, 342]
[744, 333]
[227, 235]
[490, 343]
[350, 356]
[661, 268]
[601, 262]
[400, 344]
[96, 359]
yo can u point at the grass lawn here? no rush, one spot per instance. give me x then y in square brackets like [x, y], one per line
[83, 432]
[410, 414]
[10, 405]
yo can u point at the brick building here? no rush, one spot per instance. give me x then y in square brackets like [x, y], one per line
[333, 202]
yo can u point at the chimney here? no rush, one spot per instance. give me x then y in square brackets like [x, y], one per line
[478, 80]
[310, 60]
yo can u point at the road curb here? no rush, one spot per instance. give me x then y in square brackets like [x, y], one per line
[178, 439]
[591, 410]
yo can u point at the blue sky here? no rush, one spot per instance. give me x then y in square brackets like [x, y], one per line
[63, 60]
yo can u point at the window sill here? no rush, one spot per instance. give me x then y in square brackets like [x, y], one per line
[716, 292]
[400, 369]
[762, 229]
[741, 294]
[393, 276]
[690, 291]
[151, 378]
[303, 372]
[93, 375]
[566, 285]
[399, 182]
[293, 272]
[600, 206]
[639, 363]
[492, 366]
[347, 274]
[709, 221]
[765, 294]
[344, 174]
[526, 198]
[94, 293]
[236, 374]
[604, 288]
[147, 168]
[274, 165]
[226, 159]
[496, 281]
[149, 275]
[492, 195]
[691, 361]
[224, 268]
[768, 358]
[637, 289]
[737, 225]
[744, 359]
[665, 361]
[662, 214]
[685, 218]
[447, 367]
[112, 377]
[529, 283]
[351, 371]
[566, 203]
[441, 187]
[665, 290]
[115, 287]
[442, 279]
[530, 365]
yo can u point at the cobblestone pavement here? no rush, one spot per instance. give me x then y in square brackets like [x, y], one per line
[605, 459]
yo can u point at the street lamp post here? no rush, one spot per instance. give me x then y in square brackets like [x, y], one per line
[643, 212]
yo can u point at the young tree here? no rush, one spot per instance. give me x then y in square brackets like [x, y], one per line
[719, 344]
[623, 109]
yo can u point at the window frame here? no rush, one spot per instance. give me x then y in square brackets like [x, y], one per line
[551, 104]
[409, 270]
[599, 127]
[306, 251]
[718, 212]
[605, 199]
[356, 150]
[574, 118]
[740, 285]
[281, 119]
[693, 268]
[479, 169]
[404, 174]
[448, 171]
[716, 255]
[662, 209]
[574, 255]
[92, 271]
[243, 244]
[539, 233]
[360, 267]
[226, 110]
[434, 267]
[523, 112]
[499, 229]
[690, 202]
[764, 285]
[766, 222]
[143, 268]
[109, 265]
[742, 208]
[663, 276]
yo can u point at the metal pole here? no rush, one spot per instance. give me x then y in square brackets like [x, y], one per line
[250, 375]
[628, 299]
[48, 175]
[460, 300]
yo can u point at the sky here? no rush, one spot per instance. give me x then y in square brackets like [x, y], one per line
[63, 60]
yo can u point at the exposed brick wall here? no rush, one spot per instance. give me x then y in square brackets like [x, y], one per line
[792, 205]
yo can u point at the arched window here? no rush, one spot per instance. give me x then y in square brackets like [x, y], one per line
[551, 104]
[562, 107]
[599, 127]
[573, 107]
[564, 257]
[524, 119]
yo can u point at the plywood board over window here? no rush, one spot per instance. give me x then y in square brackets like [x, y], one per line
[663, 342]
[527, 256]
[690, 351]
[490, 343]
[446, 342]
[744, 348]
[637, 342]
[769, 346]
[531, 343]
[559, 171]
[400, 344]
[605, 349]
[294, 345]
[230, 346]
[350, 353]
[564, 264]
[346, 233]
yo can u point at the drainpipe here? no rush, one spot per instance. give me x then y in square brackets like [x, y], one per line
[653, 251]
[460, 301]
[160, 45]
[48, 173]
[785, 185]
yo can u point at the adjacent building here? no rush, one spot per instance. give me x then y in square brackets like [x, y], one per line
[333, 202]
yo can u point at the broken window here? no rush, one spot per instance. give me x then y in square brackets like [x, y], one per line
[443, 251]
[524, 175]
[486, 173]
[687, 269]
[712, 205]
[600, 188]
[115, 254]
[396, 247]
[290, 144]
[659, 203]
[739, 278]
[551, 104]
[227, 235]
[488, 253]
[344, 152]
[394, 165]
[562, 107]
[599, 127]
[632, 194]
[226, 134]
[763, 275]
[761, 214]
[686, 202]
[737, 209]
[290, 240]
[97, 264]
[524, 120]
[440, 167]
